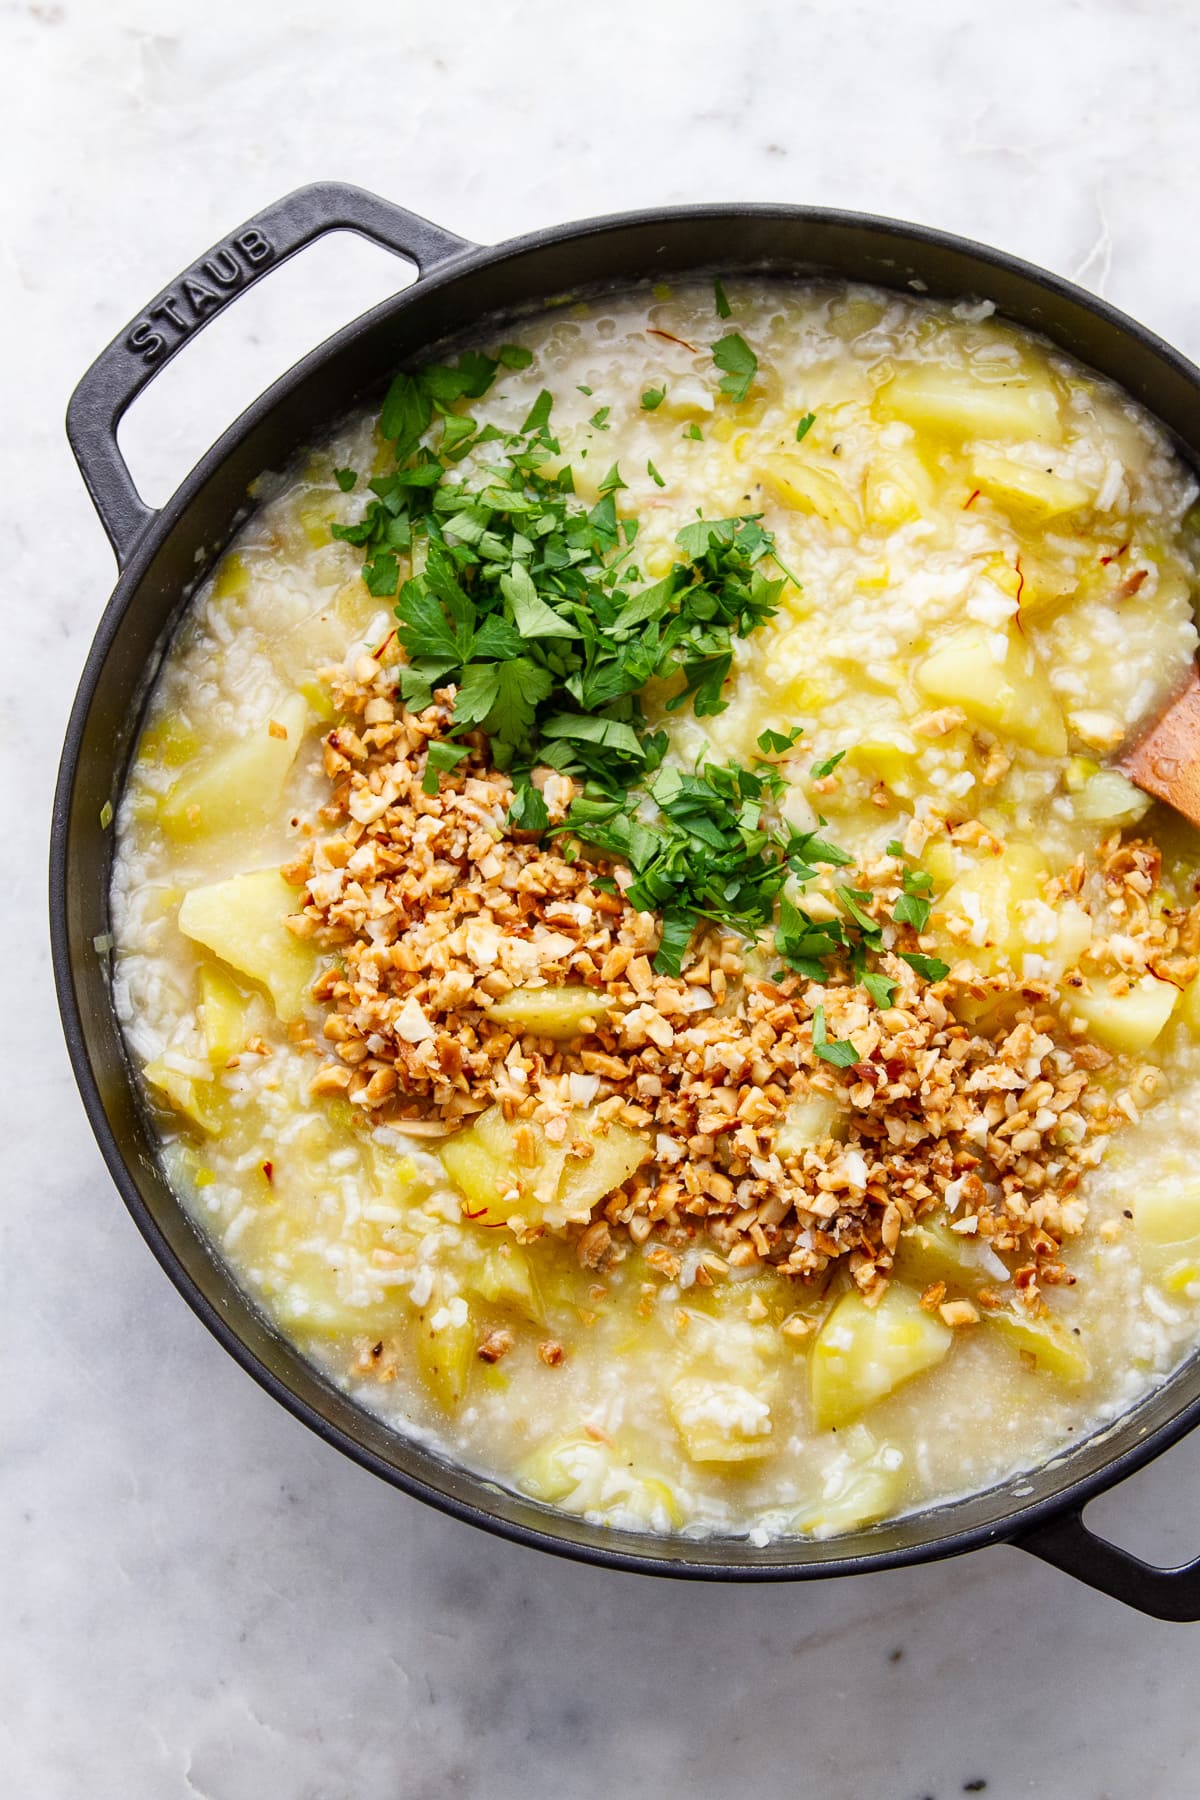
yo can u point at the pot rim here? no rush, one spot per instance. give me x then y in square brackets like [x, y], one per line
[1015, 1523]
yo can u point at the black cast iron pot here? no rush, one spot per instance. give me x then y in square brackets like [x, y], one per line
[160, 555]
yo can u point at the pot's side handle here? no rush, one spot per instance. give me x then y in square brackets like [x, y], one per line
[161, 329]
[1162, 1593]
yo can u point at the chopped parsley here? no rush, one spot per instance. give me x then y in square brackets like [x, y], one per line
[839, 1051]
[694, 431]
[734, 355]
[599, 419]
[821, 769]
[529, 603]
[653, 398]
[440, 756]
[722, 302]
[804, 426]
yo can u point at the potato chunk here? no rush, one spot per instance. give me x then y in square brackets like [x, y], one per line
[863, 1353]
[597, 1477]
[956, 403]
[989, 899]
[808, 485]
[509, 1170]
[996, 678]
[720, 1421]
[444, 1342]
[866, 1484]
[241, 785]
[200, 1102]
[241, 921]
[1056, 1350]
[1037, 493]
[226, 1014]
[810, 1120]
[929, 1251]
[1124, 1015]
[554, 1012]
[1166, 1219]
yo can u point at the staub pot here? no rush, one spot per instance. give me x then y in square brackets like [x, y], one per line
[160, 555]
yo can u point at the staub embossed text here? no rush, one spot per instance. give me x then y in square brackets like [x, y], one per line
[196, 296]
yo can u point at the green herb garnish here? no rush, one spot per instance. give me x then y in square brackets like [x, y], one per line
[734, 355]
[723, 307]
[839, 1051]
[653, 398]
[804, 426]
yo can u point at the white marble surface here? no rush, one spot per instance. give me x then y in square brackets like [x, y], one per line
[199, 1599]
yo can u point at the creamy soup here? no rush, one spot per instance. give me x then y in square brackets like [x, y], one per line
[643, 958]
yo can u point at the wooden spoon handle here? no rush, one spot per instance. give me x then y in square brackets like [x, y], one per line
[1165, 761]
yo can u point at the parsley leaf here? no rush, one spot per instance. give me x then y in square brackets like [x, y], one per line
[778, 741]
[527, 810]
[678, 928]
[653, 398]
[734, 355]
[440, 756]
[345, 479]
[931, 968]
[839, 1051]
[880, 987]
[723, 307]
[804, 426]
[654, 475]
[599, 419]
[514, 356]
[821, 769]
[538, 415]
[911, 909]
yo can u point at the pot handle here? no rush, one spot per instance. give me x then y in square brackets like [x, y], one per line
[161, 329]
[1067, 1543]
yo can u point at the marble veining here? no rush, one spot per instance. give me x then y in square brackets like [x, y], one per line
[199, 1599]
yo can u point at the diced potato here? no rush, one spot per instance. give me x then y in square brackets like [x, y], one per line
[504, 1278]
[200, 1102]
[863, 1353]
[553, 1012]
[241, 785]
[812, 486]
[897, 487]
[225, 1010]
[511, 1170]
[311, 1302]
[241, 921]
[810, 1120]
[958, 403]
[687, 398]
[597, 1477]
[1056, 1350]
[720, 1421]
[233, 578]
[929, 1251]
[996, 678]
[1110, 798]
[1037, 493]
[616, 1153]
[1123, 1015]
[1189, 1006]
[882, 760]
[865, 1484]
[1041, 585]
[170, 744]
[990, 897]
[444, 1342]
[1166, 1219]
